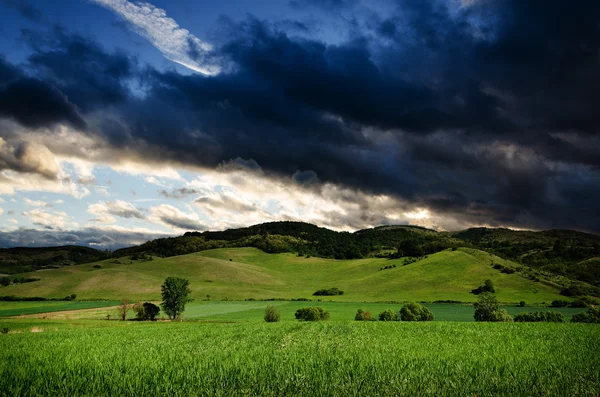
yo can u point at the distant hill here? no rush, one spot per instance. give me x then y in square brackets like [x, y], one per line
[564, 252]
[307, 239]
[571, 254]
[20, 260]
[249, 273]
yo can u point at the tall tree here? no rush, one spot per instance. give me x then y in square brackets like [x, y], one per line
[175, 295]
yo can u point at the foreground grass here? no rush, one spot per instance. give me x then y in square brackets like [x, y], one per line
[242, 273]
[308, 359]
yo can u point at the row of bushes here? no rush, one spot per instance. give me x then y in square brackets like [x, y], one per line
[329, 292]
[12, 298]
[6, 281]
[575, 303]
[540, 317]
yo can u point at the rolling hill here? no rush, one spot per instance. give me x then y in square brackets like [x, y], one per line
[249, 273]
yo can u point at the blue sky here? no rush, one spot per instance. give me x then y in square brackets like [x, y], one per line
[122, 121]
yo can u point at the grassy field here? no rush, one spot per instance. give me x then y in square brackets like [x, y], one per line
[254, 311]
[241, 273]
[102, 358]
[19, 308]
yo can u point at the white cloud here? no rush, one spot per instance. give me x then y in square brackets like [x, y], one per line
[174, 218]
[176, 43]
[107, 210]
[36, 203]
[44, 218]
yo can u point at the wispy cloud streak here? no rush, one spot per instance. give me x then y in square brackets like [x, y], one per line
[176, 43]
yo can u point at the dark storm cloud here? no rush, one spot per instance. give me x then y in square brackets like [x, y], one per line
[83, 71]
[34, 102]
[485, 111]
[90, 237]
[24, 8]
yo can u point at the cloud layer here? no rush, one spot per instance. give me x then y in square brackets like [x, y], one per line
[474, 113]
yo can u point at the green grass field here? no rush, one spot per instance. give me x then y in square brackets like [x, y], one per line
[106, 358]
[235, 311]
[19, 308]
[241, 273]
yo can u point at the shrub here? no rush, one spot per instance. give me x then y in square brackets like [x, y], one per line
[272, 314]
[329, 292]
[488, 286]
[97, 267]
[591, 316]
[578, 304]
[522, 304]
[150, 311]
[540, 317]
[501, 315]
[559, 303]
[487, 308]
[5, 281]
[362, 315]
[4, 330]
[312, 313]
[388, 315]
[415, 312]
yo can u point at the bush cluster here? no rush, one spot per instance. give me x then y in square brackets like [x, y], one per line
[312, 313]
[415, 312]
[540, 317]
[6, 281]
[146, 311]
[388, 315]
[488, 286]
[591, 316]
[329, 292]
[362, 315]
[575, 303]
[272, 314]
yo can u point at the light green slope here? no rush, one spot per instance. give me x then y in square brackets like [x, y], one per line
[242, 273]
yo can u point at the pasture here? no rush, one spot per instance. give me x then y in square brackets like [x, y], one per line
[248, 273]
[337, 358]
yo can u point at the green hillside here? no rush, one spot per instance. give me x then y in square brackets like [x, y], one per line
[19, 260]
[249, 273]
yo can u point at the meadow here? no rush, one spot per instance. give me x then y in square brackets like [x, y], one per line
[244, 273]
[106, 358]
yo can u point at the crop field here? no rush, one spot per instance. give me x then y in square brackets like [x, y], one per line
[105, 358]
[19, 308]
[253, 311]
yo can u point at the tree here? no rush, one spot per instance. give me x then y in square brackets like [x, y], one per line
[146, 311]
[415, 312]
[487, 308]
[272, 314]
[388, 315]
[313, 313]
[362, 315]
[488, 286]
[123, 308]
[150, 311]
[175, 295]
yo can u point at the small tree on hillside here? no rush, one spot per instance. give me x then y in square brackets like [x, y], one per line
[123, 308]
[175, 295]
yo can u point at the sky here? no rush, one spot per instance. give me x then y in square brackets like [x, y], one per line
[124, 121]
